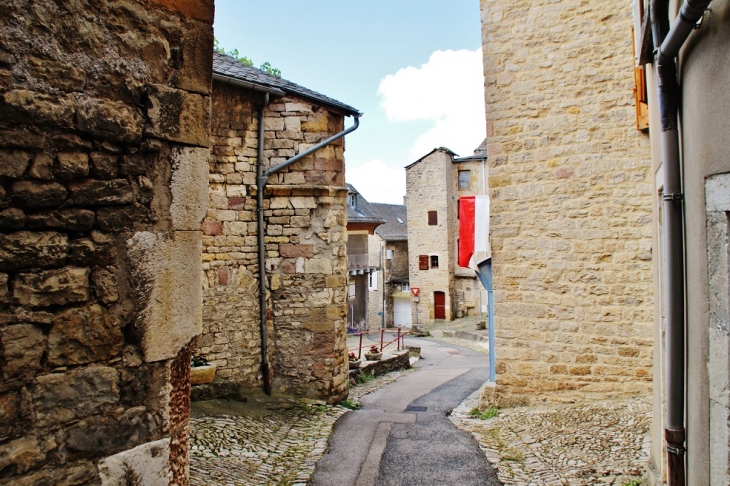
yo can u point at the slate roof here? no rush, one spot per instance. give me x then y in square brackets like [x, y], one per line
[363, 212]
[395, 227]
[443, 149]
[227, 66]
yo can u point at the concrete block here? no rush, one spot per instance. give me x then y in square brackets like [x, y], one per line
[189, 187]
[148, 464]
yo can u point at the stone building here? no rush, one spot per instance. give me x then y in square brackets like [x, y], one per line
[571, 192]
[390, 298]
[692, 406]
[362, 219]
[104, 133]
[304, 215]
[434, 184]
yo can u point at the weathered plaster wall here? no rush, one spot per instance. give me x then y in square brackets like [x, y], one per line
[104, 132]
[571, 198]
[305, 239]
[705, 121]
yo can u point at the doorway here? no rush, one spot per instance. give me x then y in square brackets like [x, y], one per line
[439, 305]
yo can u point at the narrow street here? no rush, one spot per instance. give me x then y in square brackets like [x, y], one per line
[403, 435]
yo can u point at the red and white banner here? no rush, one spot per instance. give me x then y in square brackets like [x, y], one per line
[473, 231]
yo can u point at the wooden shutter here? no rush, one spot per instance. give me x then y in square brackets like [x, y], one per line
[433, 218]
[423, 262]
[640, 99]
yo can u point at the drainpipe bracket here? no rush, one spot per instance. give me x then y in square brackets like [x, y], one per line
[673, 197]
[676, 450]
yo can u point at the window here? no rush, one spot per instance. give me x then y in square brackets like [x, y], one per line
[405, 287]
[352, 200]
[464, 179]
[389, 254]
[373, 280]
[352, 291]
[434, 261]
[433, 218]
[423, 262]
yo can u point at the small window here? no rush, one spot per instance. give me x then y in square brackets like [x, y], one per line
[389, 254]
[433, 218]
[352, 291]
[373, 280]
[405, 287]
[400, 220]
[464, 179]
[352, 200]
[434, 261]
[423, 262]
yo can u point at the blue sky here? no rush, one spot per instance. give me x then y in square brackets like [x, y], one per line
[406, 65]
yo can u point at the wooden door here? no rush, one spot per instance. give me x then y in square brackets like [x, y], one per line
[439, 307]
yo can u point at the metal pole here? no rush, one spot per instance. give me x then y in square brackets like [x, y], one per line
[398, 345]
[490, 303]
[382, 333]
[359, 349]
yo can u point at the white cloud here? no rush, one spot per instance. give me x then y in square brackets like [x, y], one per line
[378, 182]
[448, 90]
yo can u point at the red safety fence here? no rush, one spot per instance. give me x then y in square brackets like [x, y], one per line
[400, 343]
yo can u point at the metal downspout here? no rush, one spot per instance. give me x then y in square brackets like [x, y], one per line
[261, 257]
[667, 44]
[262, 179]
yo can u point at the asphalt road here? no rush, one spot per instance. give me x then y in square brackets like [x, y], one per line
[402, 435]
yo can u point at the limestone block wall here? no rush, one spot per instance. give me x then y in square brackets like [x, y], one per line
[104, 132]
[376, 259]
[426, 191]
[571, 199]
[306, 263]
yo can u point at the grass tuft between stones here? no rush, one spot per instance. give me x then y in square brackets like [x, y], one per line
[350, 404]
[489, 413]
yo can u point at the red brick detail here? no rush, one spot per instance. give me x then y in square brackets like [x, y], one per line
[223, 276]
[564, 173]
[212, 228]
[236, 203]
[287, 250]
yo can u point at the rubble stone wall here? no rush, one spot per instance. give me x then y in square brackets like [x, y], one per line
[306, 262]
[571, 198]
[104, 132]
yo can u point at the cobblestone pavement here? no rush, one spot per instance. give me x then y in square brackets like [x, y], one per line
[559, 444]
[279, 446]
[566, 444]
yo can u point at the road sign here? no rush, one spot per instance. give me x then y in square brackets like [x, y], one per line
[415, 290]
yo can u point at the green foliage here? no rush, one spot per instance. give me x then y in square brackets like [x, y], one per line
[635, 482]
[350, 404]
[265, 67]
[196, 361]
[363, 378]
[491, 412]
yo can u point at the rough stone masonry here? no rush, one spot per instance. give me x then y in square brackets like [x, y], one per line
[571, 197]
[104, 134]
[306, 260]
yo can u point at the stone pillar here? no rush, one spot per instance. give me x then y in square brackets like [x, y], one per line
[104, 133]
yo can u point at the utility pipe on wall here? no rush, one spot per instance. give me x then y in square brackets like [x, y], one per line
[262, 178]
[667, 44]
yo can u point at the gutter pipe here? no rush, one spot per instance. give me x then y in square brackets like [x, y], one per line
[262, 178]
[667, 44]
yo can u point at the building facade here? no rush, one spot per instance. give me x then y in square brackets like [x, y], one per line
[362, 219]
[304, 209]
[104, 140]
[571, 190]
[390, 297]
[704, 120]
[434, 184]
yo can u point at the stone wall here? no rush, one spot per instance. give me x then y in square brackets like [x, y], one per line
[432, 185]
[571, 199]
[104, 131]
[305, 239]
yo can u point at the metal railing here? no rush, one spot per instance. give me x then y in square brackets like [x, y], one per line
[399, 340]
